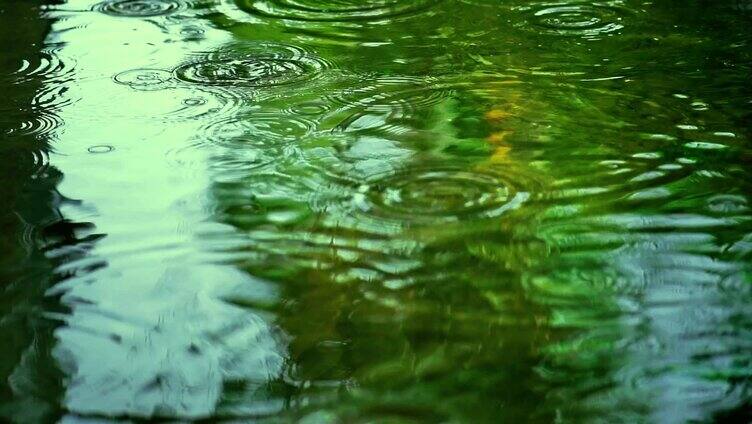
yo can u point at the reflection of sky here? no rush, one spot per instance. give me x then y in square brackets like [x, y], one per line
[148, 333]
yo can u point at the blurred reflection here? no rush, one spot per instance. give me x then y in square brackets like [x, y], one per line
[30, 222]
[442, 211]
[483, 222]
[149, 330]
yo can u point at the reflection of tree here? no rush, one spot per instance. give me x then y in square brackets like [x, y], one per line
[389, 319]
[30, 381]
[548, 312]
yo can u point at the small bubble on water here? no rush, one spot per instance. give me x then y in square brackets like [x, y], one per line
[194, 101]
[102, 148]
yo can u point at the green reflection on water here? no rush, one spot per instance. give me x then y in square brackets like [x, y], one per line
[387, 211]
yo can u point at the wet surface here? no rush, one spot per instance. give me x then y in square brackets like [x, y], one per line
[376, 211]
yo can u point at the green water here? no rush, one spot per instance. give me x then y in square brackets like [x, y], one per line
[376, 211]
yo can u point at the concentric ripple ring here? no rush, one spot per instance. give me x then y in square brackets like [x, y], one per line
[144, 78]
[577, 19]
[263, 65]
[440, 195]
[139, 8]
[334, 10]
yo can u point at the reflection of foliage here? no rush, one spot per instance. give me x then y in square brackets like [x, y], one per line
[31, 383]
[537, 315]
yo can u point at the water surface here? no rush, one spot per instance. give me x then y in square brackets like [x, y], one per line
[376, 211]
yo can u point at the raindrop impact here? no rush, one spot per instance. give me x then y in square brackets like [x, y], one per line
[582, 20]
[139, 8]
[336, 10]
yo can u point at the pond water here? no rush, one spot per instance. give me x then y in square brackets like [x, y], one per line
[458, 211]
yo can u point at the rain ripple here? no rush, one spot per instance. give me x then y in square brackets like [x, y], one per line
[586, 20]
[41, 117]
[35, 124]
[265, 128]
[434, 195]
[335, 10]
[144, 79]
[389, 104]
[257, 66]
[140, 8]
[46, 73]
[37, 161]
[48, 65]
[247, 79]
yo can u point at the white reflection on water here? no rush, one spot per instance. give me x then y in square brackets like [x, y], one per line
[149, 332]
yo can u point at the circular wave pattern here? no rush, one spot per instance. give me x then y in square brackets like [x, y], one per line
[39, 125]
[586, 20]
[48, 65]
[35, 163]
[263, 65]
[443, 194]
[393, 99]
[144, 79]
[100, 149]
[213, 103]
[40, 161]
[254, 72]
[40, 118]
[308, 109]
[335, 10]
[391, 94]
[263, 129]
[139, 8]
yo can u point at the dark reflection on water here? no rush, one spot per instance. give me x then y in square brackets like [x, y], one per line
[29, 218]
[386, 211]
